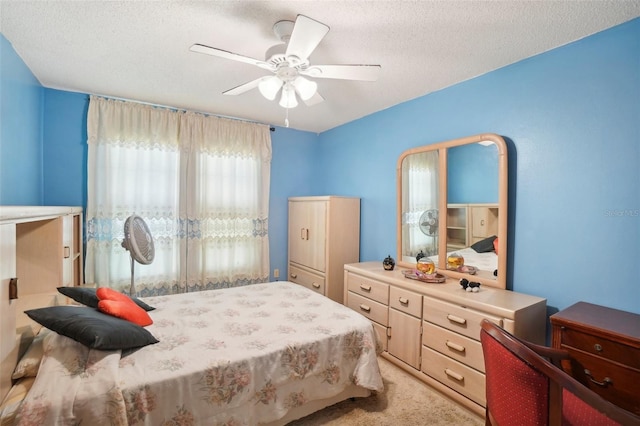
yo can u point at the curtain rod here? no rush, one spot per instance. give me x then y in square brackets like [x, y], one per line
[271, 128]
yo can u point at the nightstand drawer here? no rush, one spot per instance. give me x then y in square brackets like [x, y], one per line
[307, 279]
[612, 381]
[457, 376]
[454, 345]
[600, 346]
[369, 288]
[405, 301]
[369, 308]
[457, 318]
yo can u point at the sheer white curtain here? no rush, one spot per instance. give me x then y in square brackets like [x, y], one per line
[202, 185]
[420, 193]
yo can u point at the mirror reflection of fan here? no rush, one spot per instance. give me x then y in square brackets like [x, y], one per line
[139, 242]
[429, 222]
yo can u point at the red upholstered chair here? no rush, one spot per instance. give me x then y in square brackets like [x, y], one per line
[525, 386]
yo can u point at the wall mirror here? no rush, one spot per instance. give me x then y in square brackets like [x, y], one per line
[452, 204]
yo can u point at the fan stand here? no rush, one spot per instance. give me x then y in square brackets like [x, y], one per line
[132, 289]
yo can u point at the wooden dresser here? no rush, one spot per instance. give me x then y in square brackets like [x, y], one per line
[432, 331]
[604, 344]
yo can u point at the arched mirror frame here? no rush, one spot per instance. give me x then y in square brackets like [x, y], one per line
[441, 147]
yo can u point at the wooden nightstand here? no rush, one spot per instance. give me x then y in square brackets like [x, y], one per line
[604, 345]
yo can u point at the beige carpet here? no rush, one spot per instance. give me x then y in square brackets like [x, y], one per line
[404, 401]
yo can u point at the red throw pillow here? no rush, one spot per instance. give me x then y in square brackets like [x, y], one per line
[495, 245]
[106, 293]
[120, 305]
[126, 310]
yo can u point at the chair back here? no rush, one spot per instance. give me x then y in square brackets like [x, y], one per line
[524, 388]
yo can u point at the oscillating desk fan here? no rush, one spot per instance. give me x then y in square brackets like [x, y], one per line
[429, 222]
[139, 243]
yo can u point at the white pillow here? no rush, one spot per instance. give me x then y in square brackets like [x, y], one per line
[13, 400]
[30, 362]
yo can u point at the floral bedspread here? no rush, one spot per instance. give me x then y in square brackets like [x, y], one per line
[239, 356]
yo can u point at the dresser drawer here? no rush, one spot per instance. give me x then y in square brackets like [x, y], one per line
[614, 382]
[406, 301]
[459, 377]
[454, 345]
[369, 288]
[369, 308]
[457, 318]
[311, 281]
[600, 346]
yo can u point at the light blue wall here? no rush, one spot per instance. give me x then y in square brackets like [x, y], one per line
[571, 119]
[292, 174]
[20, 131]
[472, 174]
[65, 148]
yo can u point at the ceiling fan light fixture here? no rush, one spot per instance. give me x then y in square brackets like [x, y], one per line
[269, 86]
[305, 88]
[288, 99]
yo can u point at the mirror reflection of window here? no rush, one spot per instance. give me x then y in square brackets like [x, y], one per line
[420, 204]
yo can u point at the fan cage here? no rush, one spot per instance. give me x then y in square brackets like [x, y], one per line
[140, 242]
[428, 222]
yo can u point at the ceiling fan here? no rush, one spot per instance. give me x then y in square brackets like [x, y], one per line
[289, 63]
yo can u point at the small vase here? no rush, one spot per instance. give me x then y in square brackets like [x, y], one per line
[388, 263]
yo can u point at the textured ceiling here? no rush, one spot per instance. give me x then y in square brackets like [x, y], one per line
[139, 50]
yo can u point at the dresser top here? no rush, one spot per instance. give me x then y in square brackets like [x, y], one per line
[599, 317]
[504, 303]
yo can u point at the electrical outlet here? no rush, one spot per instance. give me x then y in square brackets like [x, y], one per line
[276, 273]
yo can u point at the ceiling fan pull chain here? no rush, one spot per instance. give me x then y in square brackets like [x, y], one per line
[286, 118]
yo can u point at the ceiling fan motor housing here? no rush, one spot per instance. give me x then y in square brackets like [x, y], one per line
[277, 57]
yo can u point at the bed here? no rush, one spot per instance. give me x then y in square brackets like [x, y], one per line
[260, 354]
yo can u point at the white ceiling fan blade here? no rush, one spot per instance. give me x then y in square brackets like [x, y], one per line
[315, 99]
[344, 72]
[238, 90]
[207, 50]
[307, 34]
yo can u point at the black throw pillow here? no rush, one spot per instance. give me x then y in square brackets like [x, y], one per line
[87, 296]
[484, 246]
[92, 328]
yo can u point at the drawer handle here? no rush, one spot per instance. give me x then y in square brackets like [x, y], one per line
[607, 381]
[365, 308]
[403, 301]
[294, 276]
[597, 347]
[365, 287]
[456, 319]
[315, 285]
[455, 346]
[451, 373]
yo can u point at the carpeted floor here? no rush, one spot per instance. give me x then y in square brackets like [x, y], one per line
[404, 401]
